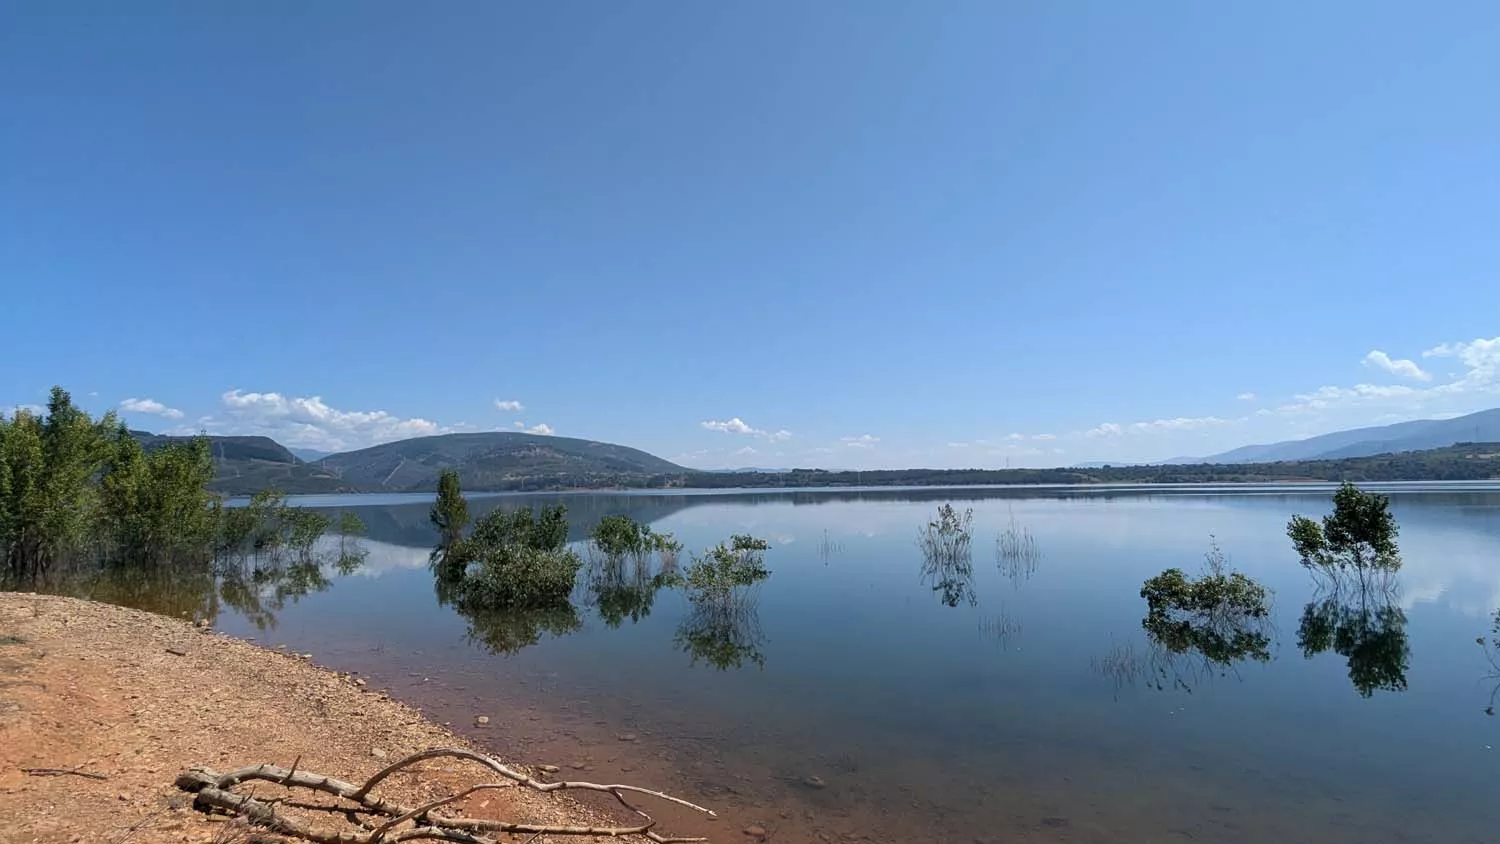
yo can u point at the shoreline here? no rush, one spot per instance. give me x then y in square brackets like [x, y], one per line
[123, 700]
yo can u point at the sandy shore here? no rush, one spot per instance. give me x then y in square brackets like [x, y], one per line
[137, 698]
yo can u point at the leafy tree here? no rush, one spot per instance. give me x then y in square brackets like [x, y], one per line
[49, 469]
[450, 513]
[1359, 535]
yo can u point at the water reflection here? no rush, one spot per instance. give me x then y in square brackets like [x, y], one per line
[1364, 624]
[724, 634]
[622, 587]
[947, 556]
[1016, 552]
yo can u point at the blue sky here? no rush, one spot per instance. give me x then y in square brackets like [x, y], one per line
[837, 233]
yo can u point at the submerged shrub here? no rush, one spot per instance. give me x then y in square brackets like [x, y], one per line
[513, 559]
[620, 536]
[1222, 615]
[520, 576]
[727, 566]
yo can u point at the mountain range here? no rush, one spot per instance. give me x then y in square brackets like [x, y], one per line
[508, 460]
[1417, 435]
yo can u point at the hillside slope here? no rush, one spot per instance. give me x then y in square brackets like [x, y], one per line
[495, 461]
[245, 465]
[1416, 435]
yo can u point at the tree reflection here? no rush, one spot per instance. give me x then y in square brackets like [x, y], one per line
[723, 627]
[508, 631]
[723, 633]
[1492, 656]
[258, 589]
[947, 556]
[1364, 625]
[622, 587]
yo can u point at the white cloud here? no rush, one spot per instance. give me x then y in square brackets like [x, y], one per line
[738, 426]
[151, 406]
[1396, 366]
[861, 441]
[1325, 398]
[1015, 436]
[519, 424]
[510, 405]
[1180, 423]
[1245, 397]
[542, 429]
[1044, 436]
[958, 445]
[311, 423]
[746, 450]
[33, 409]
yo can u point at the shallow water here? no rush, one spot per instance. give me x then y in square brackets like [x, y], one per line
[1038, 711]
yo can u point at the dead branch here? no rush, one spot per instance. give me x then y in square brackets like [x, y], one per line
[215, 790]
[62, 772]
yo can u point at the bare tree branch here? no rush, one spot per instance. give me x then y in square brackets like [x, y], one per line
[214, 790]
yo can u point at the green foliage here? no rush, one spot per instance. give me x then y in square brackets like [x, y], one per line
[620, 536]
[156, 505]
[544, 530]
[1222, 616]
[621, 589]
[1368, 629]
[520, 576]
[450, 513]
[1359, 535]
[723, 568]
[513, 559]
[83, 492]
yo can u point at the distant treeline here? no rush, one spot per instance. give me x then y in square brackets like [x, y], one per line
[1461, 462]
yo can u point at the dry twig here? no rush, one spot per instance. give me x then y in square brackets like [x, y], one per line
[62, 772]
[214, 790]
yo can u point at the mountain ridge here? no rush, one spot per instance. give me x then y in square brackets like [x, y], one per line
[1413, 435]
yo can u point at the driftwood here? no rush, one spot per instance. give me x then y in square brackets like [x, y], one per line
[215, 791]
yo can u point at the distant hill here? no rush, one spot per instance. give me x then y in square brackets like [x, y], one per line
[501, 460]
[244, 465]
[310, 454]
[1417, 435]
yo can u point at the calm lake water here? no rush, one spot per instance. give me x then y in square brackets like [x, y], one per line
[1032, 708]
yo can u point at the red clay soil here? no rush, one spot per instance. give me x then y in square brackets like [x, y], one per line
[133, 699]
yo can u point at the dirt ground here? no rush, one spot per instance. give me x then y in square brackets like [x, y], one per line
[136, 698]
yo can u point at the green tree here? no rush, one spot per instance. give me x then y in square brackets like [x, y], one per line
[49, 484]
[1359, 535]
[450, 513]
